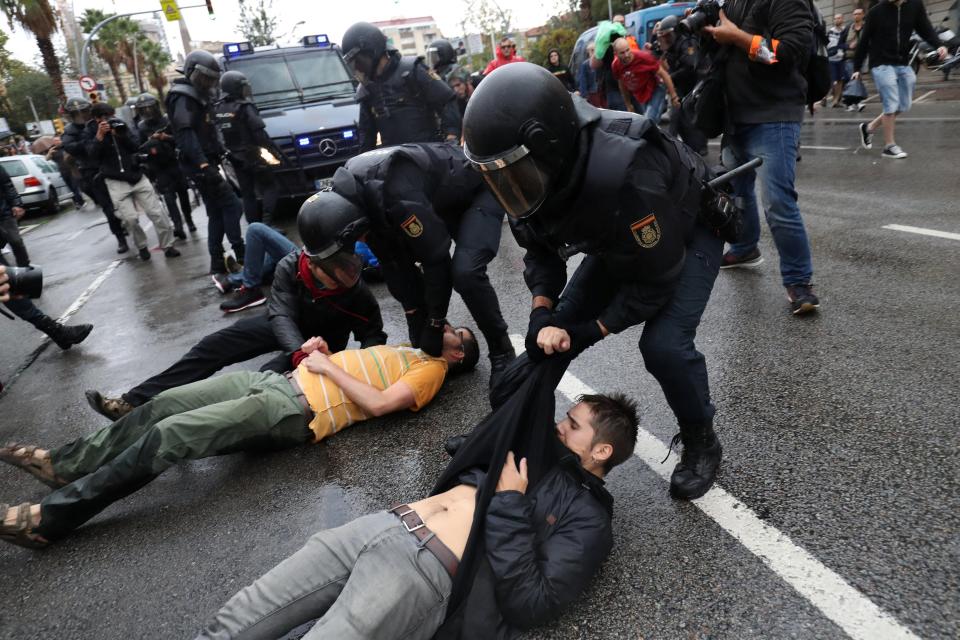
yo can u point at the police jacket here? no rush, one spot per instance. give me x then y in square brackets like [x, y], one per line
[301, 308]
[73, 142]
[682, 58]
[161, 155]
[411, 193]
[193, 127]
[9, 196]
[634, 207]
[404, 104]
[115, 155]
[243, 130]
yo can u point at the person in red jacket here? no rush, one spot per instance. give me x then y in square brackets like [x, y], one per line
[506, 53]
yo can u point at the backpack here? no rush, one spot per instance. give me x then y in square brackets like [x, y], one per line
[817, 73]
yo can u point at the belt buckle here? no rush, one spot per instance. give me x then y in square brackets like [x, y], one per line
[404, 522]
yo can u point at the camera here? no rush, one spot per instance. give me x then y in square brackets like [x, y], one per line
[117, 123]
[25, 281]
[706, 12]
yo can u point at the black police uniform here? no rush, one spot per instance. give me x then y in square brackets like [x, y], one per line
[244, 133]
[164, 171]
[683, 57]
[419, 197]
[74, 143]
[404, 104]
[198, 143]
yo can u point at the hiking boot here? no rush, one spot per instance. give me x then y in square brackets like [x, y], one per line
[731, 260]
[62, 335]
[112, 408]
[694, 474]
[802, 299]
[144, 254]
[893, 151]
[866, 136]
[171, 252]
[243, 299]
[223, 283]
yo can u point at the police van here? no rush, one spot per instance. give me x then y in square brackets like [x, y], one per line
[305, 95]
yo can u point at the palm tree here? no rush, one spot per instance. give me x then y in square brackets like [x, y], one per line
[39, 18]
[107, 44]
[127, 32]
[156, 59]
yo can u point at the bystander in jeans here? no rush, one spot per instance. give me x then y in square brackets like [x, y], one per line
[265, 247]
[835, 55]
[851, 40]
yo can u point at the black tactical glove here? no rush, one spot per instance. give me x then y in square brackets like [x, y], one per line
[431, 338]
[210, 176]
[539, 318]
[584, 335]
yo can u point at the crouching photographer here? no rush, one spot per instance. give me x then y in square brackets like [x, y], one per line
[762, 51]
[17, 284]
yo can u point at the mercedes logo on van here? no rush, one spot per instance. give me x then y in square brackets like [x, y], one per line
[328, 147]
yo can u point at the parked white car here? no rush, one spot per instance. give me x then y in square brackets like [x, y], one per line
[38, 181]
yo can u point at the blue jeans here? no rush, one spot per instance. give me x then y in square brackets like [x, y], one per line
[777, 143]
[895, 85]
[265, 248]
[656, 104]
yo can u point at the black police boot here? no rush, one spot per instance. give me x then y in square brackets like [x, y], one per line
[217, 265]
[501, 355]
[122, 246]
[64, 336]
[702, 452]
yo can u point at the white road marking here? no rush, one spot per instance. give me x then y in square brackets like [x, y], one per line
[923, 232]
[925, 96]
[27, 228]
[849, 609]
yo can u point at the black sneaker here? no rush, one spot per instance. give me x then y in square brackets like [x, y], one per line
[894, 151]
[144, 254]
[866, 137]
[171, 252]
[223, 283]
[694, 474]
[243, 299]
[731, 260]
[802, 299]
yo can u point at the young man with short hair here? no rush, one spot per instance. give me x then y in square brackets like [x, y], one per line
[390, 574]
[240, 411]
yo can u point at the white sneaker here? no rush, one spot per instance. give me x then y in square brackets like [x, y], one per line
[893, 151]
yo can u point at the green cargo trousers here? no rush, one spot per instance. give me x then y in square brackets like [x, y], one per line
[240, 411]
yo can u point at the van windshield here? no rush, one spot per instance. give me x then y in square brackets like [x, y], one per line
[298, 76]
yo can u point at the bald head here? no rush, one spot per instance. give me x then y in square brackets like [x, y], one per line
[621, 49]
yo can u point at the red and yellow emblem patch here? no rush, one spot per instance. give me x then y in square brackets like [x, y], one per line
[646, 232]
[412, 227]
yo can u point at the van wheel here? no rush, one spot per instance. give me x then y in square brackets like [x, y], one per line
[52, 205]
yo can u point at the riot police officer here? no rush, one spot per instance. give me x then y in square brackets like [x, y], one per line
[190, 113]
[575, 178]
[417, 199]
[442, 59]
[244, 134]
[161, 161]
[682, 53]
[73, 142]
[399, 98]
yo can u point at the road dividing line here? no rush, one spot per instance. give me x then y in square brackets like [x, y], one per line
[925, 96]
[923, 232]
[836, 599]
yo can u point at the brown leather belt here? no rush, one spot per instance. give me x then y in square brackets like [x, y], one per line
[307, 411]
[414, 524]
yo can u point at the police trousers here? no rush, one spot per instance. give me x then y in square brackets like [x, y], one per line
[223, 216]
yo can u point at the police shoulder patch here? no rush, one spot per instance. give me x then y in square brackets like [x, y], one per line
[412, 227]
[646, 231]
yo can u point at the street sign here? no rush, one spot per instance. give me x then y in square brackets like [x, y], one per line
[71, 89]
[87, 83]
[170, 10]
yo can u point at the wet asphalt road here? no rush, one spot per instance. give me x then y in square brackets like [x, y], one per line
[839, 430]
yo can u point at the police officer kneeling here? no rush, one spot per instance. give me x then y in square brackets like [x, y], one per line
[610, 184]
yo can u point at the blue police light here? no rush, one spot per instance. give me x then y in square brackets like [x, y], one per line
[234, 49]
[348, 134]
[303, 142]
[319, 40]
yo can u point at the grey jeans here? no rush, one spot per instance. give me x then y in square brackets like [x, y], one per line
[367, 580]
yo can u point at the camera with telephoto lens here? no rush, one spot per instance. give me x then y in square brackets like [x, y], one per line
[117, 123]
[707, 12]
[25, 281]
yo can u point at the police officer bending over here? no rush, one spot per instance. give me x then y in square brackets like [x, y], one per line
[415, 199]
[399, 98]
[188, 106]
[610, 184]
[160, 154]
[244, 135]
[682, 53]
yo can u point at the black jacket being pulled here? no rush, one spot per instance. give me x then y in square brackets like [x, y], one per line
[886, 33]
[115, 154]
[758, 92]
[299, 311]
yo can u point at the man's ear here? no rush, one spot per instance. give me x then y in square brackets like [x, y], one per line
[602, 452]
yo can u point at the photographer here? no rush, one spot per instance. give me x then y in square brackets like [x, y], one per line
[767, 45]
[110, 142]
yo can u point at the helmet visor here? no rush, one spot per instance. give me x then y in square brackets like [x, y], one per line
[516, 179]
[204, 80]
[433, 57]
[360, 63]
[343, 267]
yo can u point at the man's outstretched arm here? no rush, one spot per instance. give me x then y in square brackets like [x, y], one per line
[373, 401]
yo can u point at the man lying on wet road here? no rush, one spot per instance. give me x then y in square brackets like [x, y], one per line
[390, 574]
[240, 411]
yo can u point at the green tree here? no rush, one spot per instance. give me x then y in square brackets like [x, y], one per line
[39, 18]
[156, 59]
[23, 82]
[561, 39]
[107, 44]
[257, 23]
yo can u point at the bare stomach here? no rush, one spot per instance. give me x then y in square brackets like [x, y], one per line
[449, 515]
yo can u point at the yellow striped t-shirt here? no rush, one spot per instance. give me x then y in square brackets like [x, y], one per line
[380, 367]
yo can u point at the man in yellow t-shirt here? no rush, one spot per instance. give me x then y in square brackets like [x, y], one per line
[239, 411]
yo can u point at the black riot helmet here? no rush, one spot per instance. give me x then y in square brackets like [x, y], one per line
[363, 46]
[147, 107]
[330, 226]
[78, 109]
[235, 85]
[202, 71]
[520, 131]
[440, 53]
[668, 24]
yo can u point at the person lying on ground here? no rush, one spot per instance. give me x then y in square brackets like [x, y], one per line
[239, 411]
[389, 574]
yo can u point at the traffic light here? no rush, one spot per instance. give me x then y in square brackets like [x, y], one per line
[58, 125]
[210, 7]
